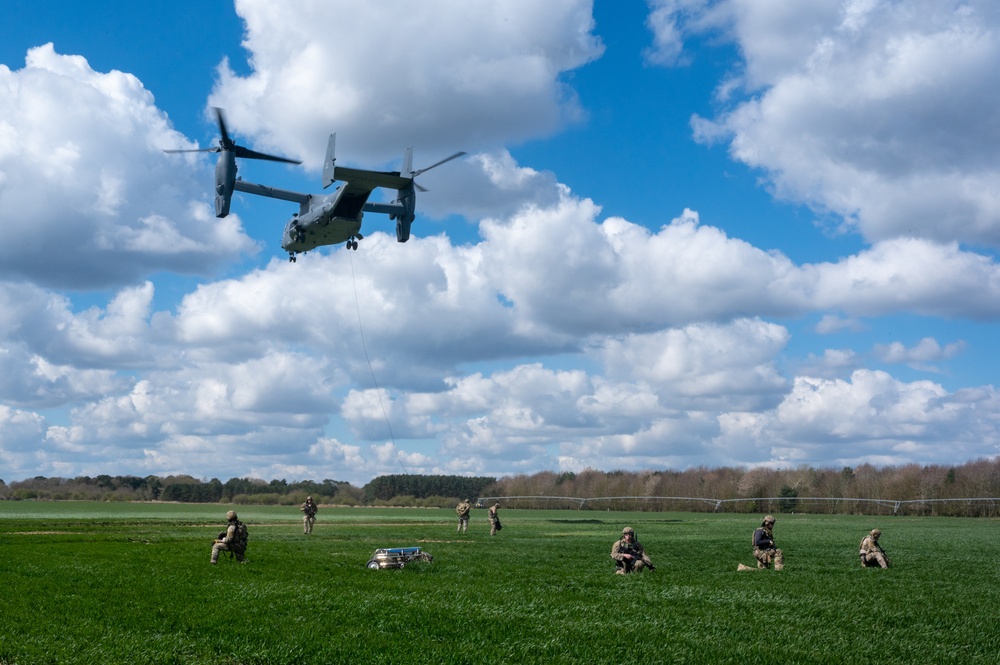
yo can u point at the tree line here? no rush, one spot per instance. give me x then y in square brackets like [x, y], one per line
[970, 489]
[181, 488]
[386, 488]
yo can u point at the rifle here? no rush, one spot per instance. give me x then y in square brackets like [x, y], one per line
[632, 551]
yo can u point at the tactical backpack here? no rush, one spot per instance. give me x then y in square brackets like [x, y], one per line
[241, 536]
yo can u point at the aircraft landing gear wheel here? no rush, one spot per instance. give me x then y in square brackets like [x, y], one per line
[354, 245]
[372, 565]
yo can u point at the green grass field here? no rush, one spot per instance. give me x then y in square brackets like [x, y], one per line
[131, 583]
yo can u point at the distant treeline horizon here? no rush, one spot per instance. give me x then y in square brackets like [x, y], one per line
[865, 488]
[383, 490]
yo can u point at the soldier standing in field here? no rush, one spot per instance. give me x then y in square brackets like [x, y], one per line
[309, 510]
[233, 539]
[494, 516]
[764, 549]
[629, 554]
[463, 509]
[872, 553]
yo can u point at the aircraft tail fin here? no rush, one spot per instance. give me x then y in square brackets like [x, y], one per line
[407, 170]
[329, 164]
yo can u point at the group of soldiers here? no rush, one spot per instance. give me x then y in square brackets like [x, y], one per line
[493, 514]
[767, 553]
[630, 556]
[234, 538]
[627, 552]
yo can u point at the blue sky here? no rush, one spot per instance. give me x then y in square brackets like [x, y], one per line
[687, 233]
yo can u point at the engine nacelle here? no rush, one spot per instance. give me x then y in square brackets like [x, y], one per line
[225, 181]
[407, 197]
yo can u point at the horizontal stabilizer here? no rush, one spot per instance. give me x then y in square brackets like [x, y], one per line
[373, 179]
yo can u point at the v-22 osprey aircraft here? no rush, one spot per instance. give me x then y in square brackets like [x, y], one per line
[322, 220]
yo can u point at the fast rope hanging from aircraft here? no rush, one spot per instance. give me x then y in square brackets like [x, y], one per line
[364, 347]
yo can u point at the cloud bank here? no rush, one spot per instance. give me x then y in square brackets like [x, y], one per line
[557, 338]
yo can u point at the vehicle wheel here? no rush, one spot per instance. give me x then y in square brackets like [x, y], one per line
[372, 565]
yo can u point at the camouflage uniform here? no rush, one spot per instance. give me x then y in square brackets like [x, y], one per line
[629, 554]
[494, 517]
[871, 552]
[763, 546]
[463, 515]
[230, 541]
[309, 510]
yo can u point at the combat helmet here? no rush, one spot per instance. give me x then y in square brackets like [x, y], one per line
[768, 519]
[628, 530]
[231, 515]
[875, 533]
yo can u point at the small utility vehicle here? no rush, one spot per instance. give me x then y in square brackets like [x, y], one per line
[397, 557]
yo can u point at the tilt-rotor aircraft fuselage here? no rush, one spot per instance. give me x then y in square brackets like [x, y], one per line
[322, 220]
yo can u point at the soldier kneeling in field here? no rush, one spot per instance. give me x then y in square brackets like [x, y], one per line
[629, 554]
[872, 553]
[233, 539]
[763, 548]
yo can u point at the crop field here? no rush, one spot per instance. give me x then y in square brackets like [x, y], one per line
[131, 583]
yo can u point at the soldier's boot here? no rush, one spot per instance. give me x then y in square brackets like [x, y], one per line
[741, 568]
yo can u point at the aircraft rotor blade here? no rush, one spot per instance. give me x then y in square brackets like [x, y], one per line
[428, 168]
[196, 150]
[225, 141]
[246, 153]
[243, 153]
